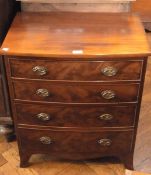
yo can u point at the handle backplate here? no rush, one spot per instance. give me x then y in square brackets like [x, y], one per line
[108, 94]
[45, 140]
[109, 71]
[106, 117]
[105, 142]
[43, 116]
[42, 92]
[40, 70]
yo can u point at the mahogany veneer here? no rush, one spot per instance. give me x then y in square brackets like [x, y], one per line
[71, 70]
[76, 82]
[76, 115]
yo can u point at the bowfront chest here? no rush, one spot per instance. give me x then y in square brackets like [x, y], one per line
[76, 82]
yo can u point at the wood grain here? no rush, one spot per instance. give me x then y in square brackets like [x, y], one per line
[75, 92]
[48, 166]
[75, 70]
[2, 160]
[80, 144]
[71, 32]
[78, 92]
[76, 115]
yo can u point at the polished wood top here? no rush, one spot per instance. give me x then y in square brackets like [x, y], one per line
[68, 34]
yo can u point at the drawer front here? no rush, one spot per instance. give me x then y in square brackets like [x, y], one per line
[75, 93]
[75, 116]
[76, 70]
[73, 141]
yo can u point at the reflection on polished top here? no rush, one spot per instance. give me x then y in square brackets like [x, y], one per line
[69, 34]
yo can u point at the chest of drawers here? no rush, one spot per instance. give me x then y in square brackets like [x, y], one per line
[76, 82]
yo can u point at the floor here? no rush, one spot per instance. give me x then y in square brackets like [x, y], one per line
[142, 157]
[43, 165]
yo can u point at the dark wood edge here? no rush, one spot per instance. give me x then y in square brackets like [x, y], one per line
[139, 105]
[75, 104]
[6, 122]
[120, 128]
[89, 83]
[97, 129]
[61, 103]
[126, 57]
[147, 26]
[5, 88]
[78, 59]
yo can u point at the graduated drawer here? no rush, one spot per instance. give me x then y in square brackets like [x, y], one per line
[76, 70]
[75, 115]
[74, 92]
[70, 141]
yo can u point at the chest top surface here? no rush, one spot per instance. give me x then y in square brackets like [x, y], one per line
[68, 34]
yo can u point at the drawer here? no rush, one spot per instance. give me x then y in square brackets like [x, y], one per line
[76, 70]
[75, 115]
[75, 93]
[69, 141]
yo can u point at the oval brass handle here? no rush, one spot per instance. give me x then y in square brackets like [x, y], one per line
[106, 117]
[43, 117]
[40, 70]
[108, 94]
[42, 92]
[109, 71]
[45, 140]
[105, 142]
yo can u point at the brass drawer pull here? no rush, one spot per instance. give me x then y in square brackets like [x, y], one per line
[106, 117]
[43, 117]
[45, 140]
[108, 94]
[40, 70]
[105, 142]
[42, 92]
[109, 71]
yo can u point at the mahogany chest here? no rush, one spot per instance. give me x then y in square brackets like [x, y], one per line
[76, 82]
